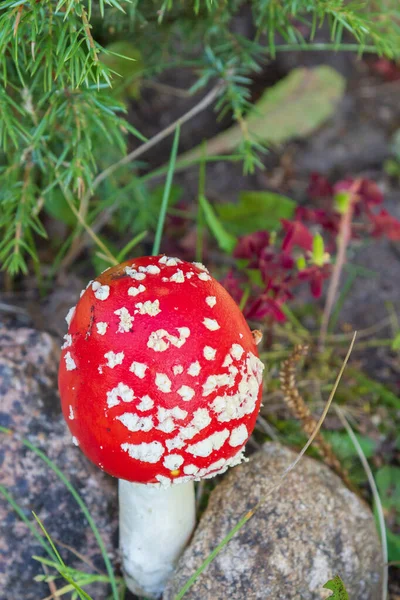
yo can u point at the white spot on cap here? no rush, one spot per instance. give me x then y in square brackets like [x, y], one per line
[134, 291]
[178, 277]
[211, 301]
[151, 269]
[207, 446]
[68, 341]
[163, 382]
[201, 418]
[238, 436]
[209, 353]
[169, 262]
[203, 276]
[69, 362]
[173, 461]
[101, 328]
[176, 413]
[157, 342]
[125, 320]
[186, 392]
[146, 403]
[167, 426]
[211, 324]
[227, 361]
[184, 332]
[237, 351]
[219, 466]
[175, 443]
[166, 418]
[114, 359]
[215, 381]
[190, 469]
[75, 441]
[135, 423]
[194, 369]
[164, 482]
[139, 369]
[160, 340]
[71, 415]
[70, 315]
[244, 401]
[101, 292]
[145, 452]
[200, 266]
[121, 392]
[177, 369]
[148, 308]
[132, 272]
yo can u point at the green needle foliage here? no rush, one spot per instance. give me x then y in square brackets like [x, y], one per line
[60, 122]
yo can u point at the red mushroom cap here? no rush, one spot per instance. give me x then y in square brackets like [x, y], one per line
[159, 377]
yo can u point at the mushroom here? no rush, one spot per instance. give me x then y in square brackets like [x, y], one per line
[160, 384]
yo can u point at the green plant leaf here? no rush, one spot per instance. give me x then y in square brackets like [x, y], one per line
[393, 544]
[396, 342]
[225, 240]
[157, 194]
[344, 448]
[294, 107]
[255, 211]
[125, 60]
[57, 207]
[336, 585]
[166, 193]
[388, 482]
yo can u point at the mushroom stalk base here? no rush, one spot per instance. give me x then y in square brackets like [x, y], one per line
[155, 525]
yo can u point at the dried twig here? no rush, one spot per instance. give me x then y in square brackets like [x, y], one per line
[50, 583]
[300, 410]
[343, 240]
[105, 216]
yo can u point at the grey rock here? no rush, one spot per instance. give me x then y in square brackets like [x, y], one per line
[309, 530]
[30, 406]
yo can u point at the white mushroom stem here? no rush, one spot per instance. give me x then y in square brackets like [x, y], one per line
[155, 525]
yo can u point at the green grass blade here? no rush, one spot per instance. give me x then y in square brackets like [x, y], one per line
[134, 242]
[81, 505]
[63, 571]
[27, 522]
[375, 386]
[213, 554]
[42, 527]
[167, 190]
[200, 216]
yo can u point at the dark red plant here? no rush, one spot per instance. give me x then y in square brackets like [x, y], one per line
[276, 265]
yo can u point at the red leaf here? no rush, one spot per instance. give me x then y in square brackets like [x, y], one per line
[384, 224]
[297, 234]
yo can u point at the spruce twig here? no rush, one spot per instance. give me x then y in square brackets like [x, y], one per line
[104, 216]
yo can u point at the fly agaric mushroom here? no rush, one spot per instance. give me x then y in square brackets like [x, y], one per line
[160, 385]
